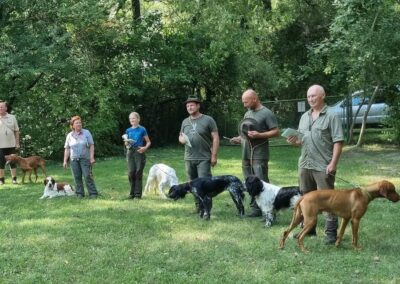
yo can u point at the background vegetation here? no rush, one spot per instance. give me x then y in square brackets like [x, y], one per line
[103, 59]
[114, 240]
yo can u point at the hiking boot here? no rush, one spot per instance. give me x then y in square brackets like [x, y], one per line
[330, 240]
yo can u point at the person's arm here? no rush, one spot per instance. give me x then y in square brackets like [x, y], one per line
[214, 147]
[337, 151]
[16, 134]
[66, 157]
[274, 132]
[145, 147]
[91, 154]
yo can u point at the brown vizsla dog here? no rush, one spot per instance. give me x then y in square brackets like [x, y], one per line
[348, 204]
[28, 164]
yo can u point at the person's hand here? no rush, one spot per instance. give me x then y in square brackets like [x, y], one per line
[253, 134]
[141, 150]
[331, 169]
[65, 164]
[213, 161]
[182, 139]
[235, 140]
[17, 147]
[293, 140]
[92, 161]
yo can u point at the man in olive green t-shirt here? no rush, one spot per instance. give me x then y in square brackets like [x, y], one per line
[199, 134]
[255, 157]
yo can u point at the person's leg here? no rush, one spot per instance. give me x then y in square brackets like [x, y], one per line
[307, 183]
[140, 162]
[87, 175]
[2, 165]
[130, 158]
[77, 174]
[191, 173]
[325, 181]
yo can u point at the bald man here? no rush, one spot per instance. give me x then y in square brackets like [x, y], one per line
[255, 159]
[321, 145]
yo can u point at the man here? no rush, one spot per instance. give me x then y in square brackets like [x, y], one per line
[9, 140]
[321, 139]
[199, 134]
[255, 156]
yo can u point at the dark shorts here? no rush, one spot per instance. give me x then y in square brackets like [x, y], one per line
[3, 152]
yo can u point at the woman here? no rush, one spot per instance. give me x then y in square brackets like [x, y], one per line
[9, 140]
[79, 148]
[137, 142]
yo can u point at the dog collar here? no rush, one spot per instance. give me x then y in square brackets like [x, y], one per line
[367, 194]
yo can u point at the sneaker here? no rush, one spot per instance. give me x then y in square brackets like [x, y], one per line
[130, 197]
[93, 196]
[330, 240]
[79, 196]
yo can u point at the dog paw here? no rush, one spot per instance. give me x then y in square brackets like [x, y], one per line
[268, 224]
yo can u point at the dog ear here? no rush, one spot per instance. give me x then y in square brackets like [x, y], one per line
[45, 181]
[385, 187]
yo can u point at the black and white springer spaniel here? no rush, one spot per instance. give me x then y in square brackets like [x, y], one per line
[271, 198]
[205, 188]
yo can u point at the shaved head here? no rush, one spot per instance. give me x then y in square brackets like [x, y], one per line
[250, 99]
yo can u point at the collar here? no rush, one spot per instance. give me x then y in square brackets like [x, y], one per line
[323, 110]
[366, 194]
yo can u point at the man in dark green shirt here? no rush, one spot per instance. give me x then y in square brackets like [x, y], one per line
[199, 134]
[255, 147]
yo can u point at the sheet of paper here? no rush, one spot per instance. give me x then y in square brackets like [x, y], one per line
[291, 132]
[187, 140]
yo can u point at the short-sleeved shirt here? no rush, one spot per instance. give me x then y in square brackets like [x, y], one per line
[79, 143]
[266, 121]
[199, 131]
[318, 139]
[137, 134]
[8, 125]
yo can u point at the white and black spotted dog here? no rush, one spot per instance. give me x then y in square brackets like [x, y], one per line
[55, 189]
[205, 188]
[271, 198]
[160, 177]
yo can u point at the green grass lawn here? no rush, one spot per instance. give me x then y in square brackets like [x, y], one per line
[114, 240]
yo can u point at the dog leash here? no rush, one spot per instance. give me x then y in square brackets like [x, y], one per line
[346, 181]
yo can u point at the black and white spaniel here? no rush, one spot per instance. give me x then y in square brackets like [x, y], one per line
[54, 189]
[205, 188]
[271, 198]
[160, 177]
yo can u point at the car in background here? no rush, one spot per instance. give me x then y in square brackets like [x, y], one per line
[376, 115]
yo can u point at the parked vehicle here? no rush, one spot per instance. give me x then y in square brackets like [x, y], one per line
[376, 115]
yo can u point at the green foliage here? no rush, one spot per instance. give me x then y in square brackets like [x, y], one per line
[89, 58]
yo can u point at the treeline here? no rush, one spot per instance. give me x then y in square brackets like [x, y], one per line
[104, 59]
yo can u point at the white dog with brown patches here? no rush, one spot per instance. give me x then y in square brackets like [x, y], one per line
[54, 189]
[160, 177]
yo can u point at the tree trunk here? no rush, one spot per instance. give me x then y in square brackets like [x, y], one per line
[364, 122]
[136, 11]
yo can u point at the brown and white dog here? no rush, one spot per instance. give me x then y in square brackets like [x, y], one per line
[54, 189]
[28, 164]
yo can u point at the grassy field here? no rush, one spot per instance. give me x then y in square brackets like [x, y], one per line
[114, 240]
